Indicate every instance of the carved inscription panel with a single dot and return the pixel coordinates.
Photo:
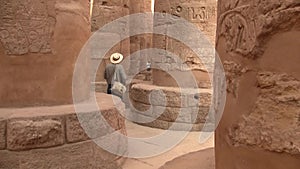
(195, 14)
(26, 26)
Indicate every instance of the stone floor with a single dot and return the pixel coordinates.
(182, 151)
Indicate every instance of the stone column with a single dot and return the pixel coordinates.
(258, 42)
(163, 104)
(203, 15)
(40, 41)
(39, 44)
(139, 42)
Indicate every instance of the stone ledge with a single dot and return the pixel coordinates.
(43, 127)
(172, 114)
(170, 96)
(148, 102)
(52, 137)
(77, 155)
(166, 125)
(39, 132)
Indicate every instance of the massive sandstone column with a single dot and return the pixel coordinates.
(163, 104)
(40, 41)
(139, 42)
(258, 42)
(203, 15)
(39, 44)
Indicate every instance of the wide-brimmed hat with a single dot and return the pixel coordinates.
(116, 58)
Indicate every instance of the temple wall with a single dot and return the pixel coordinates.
(258, 42)
(203, 15)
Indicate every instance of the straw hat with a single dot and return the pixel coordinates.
(116, 58)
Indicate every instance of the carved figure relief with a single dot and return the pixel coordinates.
(25, 26)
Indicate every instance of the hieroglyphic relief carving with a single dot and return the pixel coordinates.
(201, 14)
(194, 13)
(26, 26)
(239, 33)
(246, 28)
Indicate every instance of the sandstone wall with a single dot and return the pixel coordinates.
(258, 42)
(39, 44)
(203, 15)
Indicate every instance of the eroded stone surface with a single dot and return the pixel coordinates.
(273, 123)
(233, 71)
(169, 96)
(83, 155)
(165, 105)
(260, 124)
(34, 133)
(30, 29)
(2, 134)
(74, 130)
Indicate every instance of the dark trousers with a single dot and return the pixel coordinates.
(109, 86)
(109, 89)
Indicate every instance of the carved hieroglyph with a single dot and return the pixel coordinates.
(26, 26)
(200, 13)
(245, 25)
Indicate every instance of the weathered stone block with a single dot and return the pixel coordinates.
(113, 118)
(200, 114)
(69, 156)
(2, 134)
(74, 131)
(173, 114)
(35, 133)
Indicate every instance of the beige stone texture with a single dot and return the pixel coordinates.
(2, 134)
(258, 44)
(166, 125)
(80, 155)
(74, 130)
(35, 133)
(188, 106)
(38, 51)
(103, 14)
(203, 15)
(169, 96)
(52, 137)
